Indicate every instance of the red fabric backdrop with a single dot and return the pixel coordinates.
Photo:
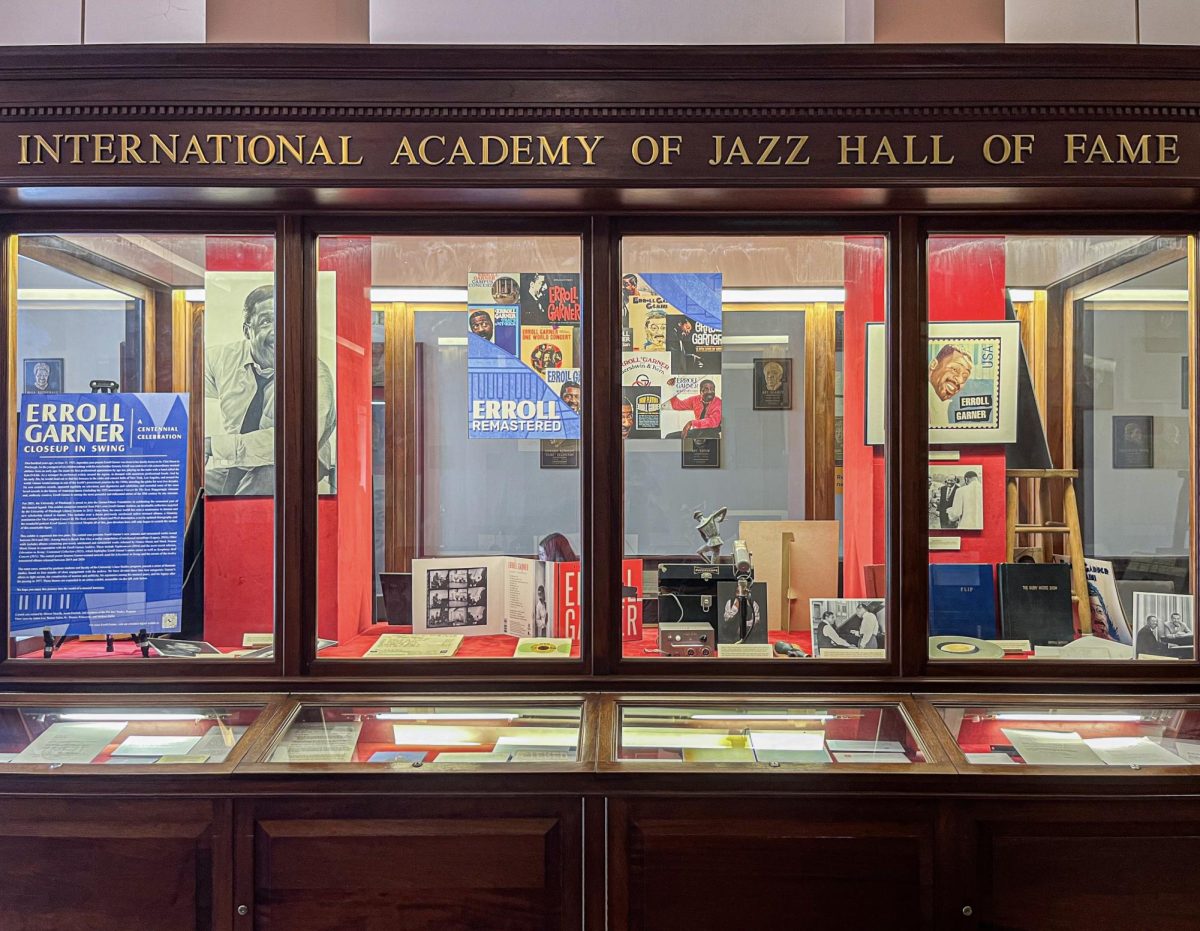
(864, 495)
(239, 541)
(966, 282)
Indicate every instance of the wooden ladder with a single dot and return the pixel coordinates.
(1048, 529)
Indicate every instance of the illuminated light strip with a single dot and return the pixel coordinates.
(155, 716)
(1142, 295)
(195, 295)
(1068, 718)
(783, 295)
(445, 716)
(419, 295)
(1020, 295)
(64, 295)
(763, 717)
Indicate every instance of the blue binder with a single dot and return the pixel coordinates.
(962, 600)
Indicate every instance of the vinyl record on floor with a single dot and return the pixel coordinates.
(952, 647)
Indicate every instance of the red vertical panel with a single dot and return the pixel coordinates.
(864, 496)
(345, 554)
(966, 282)
(239, 533)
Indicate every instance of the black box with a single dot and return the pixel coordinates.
(687, 592)
(729, 629)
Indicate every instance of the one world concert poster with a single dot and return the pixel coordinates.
(523, 355)
(98, 515)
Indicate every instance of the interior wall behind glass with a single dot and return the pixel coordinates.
(480, 496)
(760, 476)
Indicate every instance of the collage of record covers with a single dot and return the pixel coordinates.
(671, 340)
(523, 355)
(456, 597)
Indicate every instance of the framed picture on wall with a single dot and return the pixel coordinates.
(772, 384)
(43, 376)
(1132, 442)
(972, 370)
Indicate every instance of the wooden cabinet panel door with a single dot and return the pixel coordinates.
(381, 865)
(759, 863)
(93, 864)
(1064, 865)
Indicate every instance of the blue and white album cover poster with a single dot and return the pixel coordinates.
(672, 338)
(98, 514)
(523, 351)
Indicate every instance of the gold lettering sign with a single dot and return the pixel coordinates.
(489, 150)
(709, 153)
(177, 149)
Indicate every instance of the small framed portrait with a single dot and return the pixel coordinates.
(43, 376)
(772, 384)
(1132, 442)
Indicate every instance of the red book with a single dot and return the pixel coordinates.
(565, 582)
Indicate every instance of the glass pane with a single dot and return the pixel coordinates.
(755, 512)
(448, 411)
(1060, 448)
(184, 735)
(1066, 735)
(442, 734)
(768, 733)
(144, 500)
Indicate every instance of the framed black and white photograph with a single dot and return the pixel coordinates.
(43, 376)
(1164, 626)
(846, 624)
(1132, 442)
(772, 384)
(955, 496)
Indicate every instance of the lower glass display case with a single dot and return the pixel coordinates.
(998, 734)
(44, 733)
(370, 732)
(1009, 735)
(771, 733)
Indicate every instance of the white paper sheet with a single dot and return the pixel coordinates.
(1051, 748)
(787, 740)
(155, 745)
(865, 746)
(990, 759)
(676, 738)
(541, 755)
(213, 743)
(472, 756)
(537, 737)
(789, 746)
(1133, 751)
(70, 742)
(1188, 750)
(318, 743)
(871, 758)
(793, 756)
